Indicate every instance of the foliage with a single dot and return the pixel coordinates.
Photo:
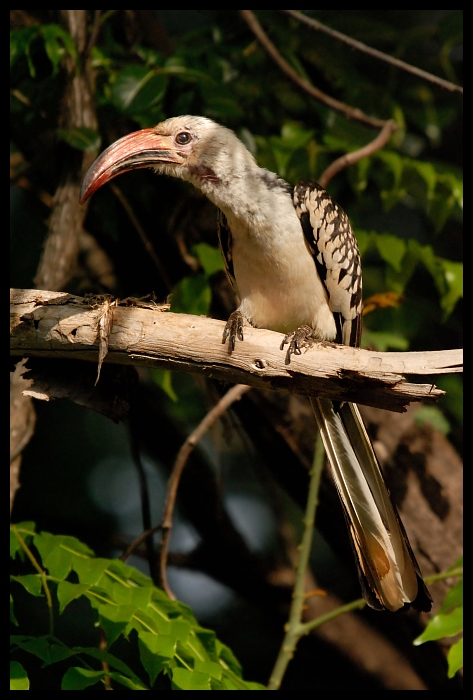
(448, 622)
(170, 641)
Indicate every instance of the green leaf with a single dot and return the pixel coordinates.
(184, 679)
(20, 43)
(81, 138)
(77, 678)
(163, 379)
(228, 657)
(180, 629)
(455, 658)
(90, 571)
(39, 646)
(210, 668)
(209, 257)
(441, 626)
(127, 682)
(57, 562)
(428, 174)
(155, 652)
(112, 661)
(12, 613)
(137, 89)
(18, 677)
(295, 135)
(67, 592)
(192, 295)
(382, 341)
(432, 415)
(114, 619)
(26, 530)
(30, 582)
(57, 42)
(453, 272)
(59, 652)
(391, 248)
(453, 598)
(60, 553)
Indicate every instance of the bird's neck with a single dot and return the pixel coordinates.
(250, 196)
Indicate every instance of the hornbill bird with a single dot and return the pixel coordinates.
(292, 258)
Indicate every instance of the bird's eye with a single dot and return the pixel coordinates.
(183, 138)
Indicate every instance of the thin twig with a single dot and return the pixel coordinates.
(293, 627)
(105, 665)
(360, 602)
(315, 24)
(234, 394)
(142, 234)
(139, 540)
(349, 158)
(93, 35)
(349, 111)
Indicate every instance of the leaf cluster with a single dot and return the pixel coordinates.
(169, 639)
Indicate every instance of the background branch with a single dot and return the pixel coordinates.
(359, 46)
(234, 394)
(349, 111)
(349, 158)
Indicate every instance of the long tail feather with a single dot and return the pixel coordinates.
(388, 571)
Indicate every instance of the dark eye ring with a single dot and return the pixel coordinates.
(183, 138)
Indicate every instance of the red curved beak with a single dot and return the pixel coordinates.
(140, 149)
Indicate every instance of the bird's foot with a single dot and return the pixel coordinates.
(233, 329)
(302, 337)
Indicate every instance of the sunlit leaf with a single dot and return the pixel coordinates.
(67, 592)
(114, 620)
(442, 625)
(454, 597)
(18, 677)
(184, 679)
(209, 257)
(455, 658)
(26, 530)
(155, 651)
(30, 582)
(453, 272)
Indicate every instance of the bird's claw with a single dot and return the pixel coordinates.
(302, 337)
(233, 329)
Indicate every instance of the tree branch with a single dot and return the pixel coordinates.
(234, 394)
(350, 158)
(60, 325)
(349, 111)
(354, 44)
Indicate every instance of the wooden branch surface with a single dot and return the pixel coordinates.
(57, 324)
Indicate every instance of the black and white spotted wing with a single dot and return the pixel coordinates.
(225, 243)
(332, 243)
